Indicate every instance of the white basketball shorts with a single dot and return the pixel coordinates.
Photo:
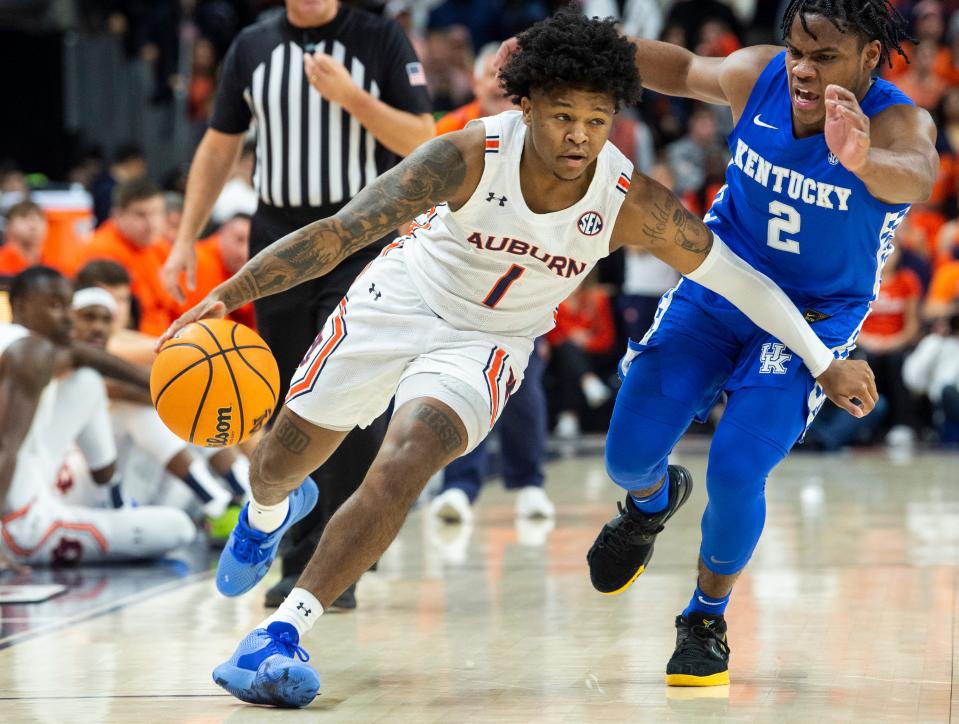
(383, 341)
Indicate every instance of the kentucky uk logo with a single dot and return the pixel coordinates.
(773, 359)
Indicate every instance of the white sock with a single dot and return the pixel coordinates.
(300, 609)
(267, 518)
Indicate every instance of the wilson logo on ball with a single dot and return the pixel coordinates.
(224, 417)
(590, 223)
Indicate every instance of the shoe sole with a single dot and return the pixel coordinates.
(642, 568)
(304, 511)
(290, 688)
(628, 583)
(718, 679)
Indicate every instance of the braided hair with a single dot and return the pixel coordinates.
(871, 19)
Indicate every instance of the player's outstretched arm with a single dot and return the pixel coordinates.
(435, 173)
(675, 71)
(108, 365)
(653, 219)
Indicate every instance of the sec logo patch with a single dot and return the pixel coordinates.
(590, 223)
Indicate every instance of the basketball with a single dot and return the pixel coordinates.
(215, 383)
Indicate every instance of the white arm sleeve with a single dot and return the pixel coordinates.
(758, 297)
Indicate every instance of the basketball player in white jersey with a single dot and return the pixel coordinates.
(49, 399)
(521, 206)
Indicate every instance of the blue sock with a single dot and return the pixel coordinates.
(116, 496)
(701, 603)
(655, 503)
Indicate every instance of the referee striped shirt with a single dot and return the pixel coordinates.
(309, 151)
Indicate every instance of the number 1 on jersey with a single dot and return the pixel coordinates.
(503, 284)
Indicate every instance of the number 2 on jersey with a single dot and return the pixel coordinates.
(785, 220)
(503, 284)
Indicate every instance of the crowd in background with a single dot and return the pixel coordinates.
(911, 339)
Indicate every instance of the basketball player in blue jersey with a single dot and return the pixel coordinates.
(825, 162)
(521, 206)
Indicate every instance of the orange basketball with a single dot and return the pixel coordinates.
(215, 383)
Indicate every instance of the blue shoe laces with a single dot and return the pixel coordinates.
(248, 548)
(284, 645)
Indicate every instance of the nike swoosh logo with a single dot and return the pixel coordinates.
(762, 123)
(713, 559)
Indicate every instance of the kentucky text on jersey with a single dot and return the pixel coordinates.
(562, 266)
(787, 181)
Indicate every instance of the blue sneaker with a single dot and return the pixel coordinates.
(266, 669)
(249, 553)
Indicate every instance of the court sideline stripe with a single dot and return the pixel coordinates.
(104, 609)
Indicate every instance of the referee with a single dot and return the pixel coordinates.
(337, 96)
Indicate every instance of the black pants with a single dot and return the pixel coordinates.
(888, 370)
(570, 363)
(289, 322)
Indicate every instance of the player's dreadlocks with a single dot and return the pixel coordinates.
(871, 19)
(569, 49)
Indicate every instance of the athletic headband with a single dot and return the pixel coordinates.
(94, 296)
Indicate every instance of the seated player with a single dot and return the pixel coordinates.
(138, 427)
(48, 399)
(125, 341)
(520, 207)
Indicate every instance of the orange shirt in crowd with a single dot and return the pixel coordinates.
(457, 119)
(11, 261)
(929, 222)
(157, 308)
(944, 287)
(210, 273)
(944, 68)
(588, 310)
(888, 315)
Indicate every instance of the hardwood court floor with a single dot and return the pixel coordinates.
(847, 614)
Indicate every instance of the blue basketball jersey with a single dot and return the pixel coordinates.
(792, 211)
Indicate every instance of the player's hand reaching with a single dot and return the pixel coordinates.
(851, 385)
(847, 128)
(208, 308)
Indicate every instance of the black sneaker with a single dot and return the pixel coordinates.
(346, 601)
(625, 544)
(701, 657)
(280, 590)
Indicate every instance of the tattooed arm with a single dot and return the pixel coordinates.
(654, 220)
(657, 222)
(445, 169)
